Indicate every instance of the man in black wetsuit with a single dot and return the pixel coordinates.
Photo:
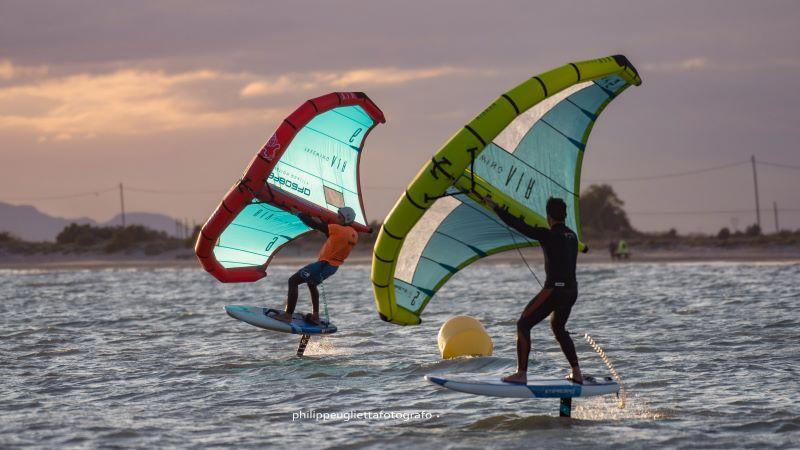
(560, 290)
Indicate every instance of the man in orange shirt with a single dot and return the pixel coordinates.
(341, 239)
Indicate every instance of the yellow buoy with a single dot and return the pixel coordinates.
(464, 336)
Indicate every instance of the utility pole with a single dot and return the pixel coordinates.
(122, 204)
(755, 185)
(775, 209)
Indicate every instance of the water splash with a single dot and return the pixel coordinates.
(325, 346)
(622, 394)
(605, 408)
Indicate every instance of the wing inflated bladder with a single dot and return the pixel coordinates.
(524, 148)
(311, 163)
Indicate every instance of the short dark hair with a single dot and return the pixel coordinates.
(556, 209)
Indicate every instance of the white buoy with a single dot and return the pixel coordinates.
(464, 336)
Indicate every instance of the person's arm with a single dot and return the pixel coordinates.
(313, 222)
(537, 233)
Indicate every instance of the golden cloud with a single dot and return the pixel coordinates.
(8, 70)
(359, 78)
(704, 64)
(391, 76)
(683, 65)
(122, 102)
(128, 102)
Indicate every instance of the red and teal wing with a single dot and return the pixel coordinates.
(311, 163)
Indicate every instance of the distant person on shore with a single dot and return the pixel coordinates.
(341, 239)
(622, 250)
(560, 290)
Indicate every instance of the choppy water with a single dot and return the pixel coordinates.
(147, 358)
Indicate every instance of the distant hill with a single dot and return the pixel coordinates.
(30, 224)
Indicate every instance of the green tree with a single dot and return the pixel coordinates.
(753, 230)
(602, 212)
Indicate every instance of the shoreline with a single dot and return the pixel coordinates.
(188, 260)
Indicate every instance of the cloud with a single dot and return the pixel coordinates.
(683, 65)
(704, 64)
(9, 71)
(131, 102)
(282, 84)
(391, 76)
(359, 78)
(268, 87)
(122, 103)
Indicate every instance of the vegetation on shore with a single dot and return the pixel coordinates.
(603, 220)
(134, 239)
(88, 239)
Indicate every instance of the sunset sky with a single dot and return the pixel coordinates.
(173, 98)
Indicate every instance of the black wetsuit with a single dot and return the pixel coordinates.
(560, 290)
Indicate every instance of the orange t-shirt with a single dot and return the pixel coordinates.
(341, 239)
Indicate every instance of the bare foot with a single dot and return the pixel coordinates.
(283, 317)
(518, 378)
(313, 318)
(575, 377)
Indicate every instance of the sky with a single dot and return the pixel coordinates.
(174, 98)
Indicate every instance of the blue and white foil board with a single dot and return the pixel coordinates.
(264, 318)
(492, 386)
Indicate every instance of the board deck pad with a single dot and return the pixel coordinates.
(265, 318)
(492, 386)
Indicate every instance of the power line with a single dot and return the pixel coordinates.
(671, 175)
(784, 166)
(693, 172)
(728, 211)
(122, 204)
(755, 187)
(396, 188)
(650, 177)
(65, 196)
(171, 192)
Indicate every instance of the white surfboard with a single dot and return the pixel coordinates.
(535, 388)
(265, 318)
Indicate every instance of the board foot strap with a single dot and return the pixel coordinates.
(303, 343)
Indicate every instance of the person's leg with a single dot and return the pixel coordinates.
(564, 300)
(312, 289)
(300, 277)
(536, 310)
(324, 272)
(291, 297)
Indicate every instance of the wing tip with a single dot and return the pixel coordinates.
(623, 61)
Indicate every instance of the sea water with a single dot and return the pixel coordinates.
(709, 354)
